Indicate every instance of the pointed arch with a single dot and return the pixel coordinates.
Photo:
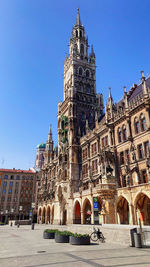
(123, 210)
(48, 213)
(77, 212)
(87, 211)
(142, 208)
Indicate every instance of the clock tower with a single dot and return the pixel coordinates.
(81, 103)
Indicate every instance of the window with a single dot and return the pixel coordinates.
(140, 151)
(5, 184)
(6, 177)
(127, 155)
(94, 149)
(12, 177)
(10, 184)
(76, 33)
(94, 166)
(84, 153)
(10, 191)
(136, 125)
(87, 73)
(85, 170)
(9, 199)
(144, 176)
(119, 135)
(143, 122)
(121, 158)
(124, 131)
(80, 33)
(17, 177)
(146, 148)
(80, 71)
(4, 191)
(103, 142)
(82, 49)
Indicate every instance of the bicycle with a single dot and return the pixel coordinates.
(97, 235)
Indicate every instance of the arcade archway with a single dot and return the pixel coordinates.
(142, 207)
(48, 215)
(52, 216)
(77, 213)
(87, 212)
(123, 211)
(43, 215)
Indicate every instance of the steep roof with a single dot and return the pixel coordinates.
(17, 171)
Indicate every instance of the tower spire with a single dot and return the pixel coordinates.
(78, 20)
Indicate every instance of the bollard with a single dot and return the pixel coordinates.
(137, 240)
(18, 225)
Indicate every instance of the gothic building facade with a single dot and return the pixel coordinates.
(100, 171)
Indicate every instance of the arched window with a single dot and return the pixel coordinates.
(136, 125)
(124, 131)
(76, 33)
(80, 33)
(143, 122)
(80, 71)
(87, 73)
(119, 135)
(82, 49)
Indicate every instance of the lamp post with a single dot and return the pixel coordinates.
(20, 209)
(32, 223)
(12, 211)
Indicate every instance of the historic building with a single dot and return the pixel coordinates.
(100, 171)
(17, 193)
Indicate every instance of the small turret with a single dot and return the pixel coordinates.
(125, 98)
(92, 55)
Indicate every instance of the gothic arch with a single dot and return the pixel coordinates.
(52, 216)
(87, 211)
(142, 208)
(77, 212)
(44, 214)
(48, 213)
(40, 215)
(123, 210)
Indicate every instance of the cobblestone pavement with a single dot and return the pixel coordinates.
(23, 247)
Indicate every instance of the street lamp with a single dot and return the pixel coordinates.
(20, 209)
(33, 207)
(6, 216)
(12, 210)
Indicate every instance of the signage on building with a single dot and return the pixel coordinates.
(96, 210)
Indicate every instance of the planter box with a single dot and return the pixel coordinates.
(48, 235)
(61, 238)
(83, 240)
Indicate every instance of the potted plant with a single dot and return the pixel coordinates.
(62, 236)
(49, 233)
(80, 239)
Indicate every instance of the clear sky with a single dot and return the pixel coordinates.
(34, 36)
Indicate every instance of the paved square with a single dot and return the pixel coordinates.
(23, 247)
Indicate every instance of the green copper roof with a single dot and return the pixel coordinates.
(42, 145)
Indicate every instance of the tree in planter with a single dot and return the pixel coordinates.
(49, 233)
(79, 239)
(62, 236)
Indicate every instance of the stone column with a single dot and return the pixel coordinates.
(82, 217)
(131, 211)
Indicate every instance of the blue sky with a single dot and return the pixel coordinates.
(34, 36)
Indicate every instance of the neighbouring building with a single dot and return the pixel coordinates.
(17, 193)
(100, 171)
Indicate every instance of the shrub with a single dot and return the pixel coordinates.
(66, 233)
(80, 235)
(53, 231)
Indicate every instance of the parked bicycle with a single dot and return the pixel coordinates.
(97, 235)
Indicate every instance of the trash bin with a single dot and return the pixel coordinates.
(137, 240)
(132, 231)
(32, 226)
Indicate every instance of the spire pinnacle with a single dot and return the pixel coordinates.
(78, 21)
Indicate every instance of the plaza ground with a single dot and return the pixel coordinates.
(23, 247)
